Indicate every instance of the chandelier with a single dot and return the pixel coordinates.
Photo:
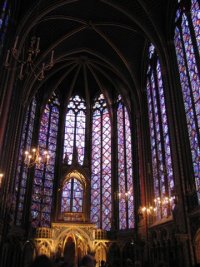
(148, 210)
(26, 59)
(34, 157)
(165, 202)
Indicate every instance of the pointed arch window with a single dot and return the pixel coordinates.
(159, 134)
(22, 171)
(75, 129)
(44, 174)
(187, 44)
(72, 196)
(101, 165)
(125, 170)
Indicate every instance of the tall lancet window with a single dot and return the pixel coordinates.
(159, 135)
(22, 171)
(101, 165)
(75, 129)
(187, 43)
(44, 173)
(125, 170)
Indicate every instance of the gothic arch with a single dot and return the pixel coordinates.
(77, 234)
(101, 252)
(81, 177)
(76, 173)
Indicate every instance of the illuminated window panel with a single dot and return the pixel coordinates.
(106, 171)
(159, 134)
(69, 135)
(125, 177)
(44, 173)
(101, 206)
(195, 13)
(72, 196)
(96, 169)
(75, 129)
(22, 171)
(189, 79)
(80, 135)
(129, 170)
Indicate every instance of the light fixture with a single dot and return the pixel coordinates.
(26, 59)
(160, 204)
(1, 178)
(121, 195)
(34, 157)
(148, 210)
(164, 203)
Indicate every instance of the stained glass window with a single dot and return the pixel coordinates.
(101, 165)
(187, 43)
(195, 14)
(159, 134)
(75, 129)
(4, 20)
(22, 171)
(44, 173)
(125, 171)
(72, 196)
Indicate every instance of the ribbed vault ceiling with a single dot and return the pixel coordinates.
(98, 44)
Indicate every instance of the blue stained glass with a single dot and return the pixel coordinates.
(72, 196)
(159, 136)
(106, 171)
(75, 129)
(167, 150)
(125, 179)
(190, 82)
(44, 174)
(22, 172)
(195, 13)
(129, 169)
(101, 207)
(191, 61)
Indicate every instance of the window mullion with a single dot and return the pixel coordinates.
(101, 171)
(72, 195)
(125, 166)
(75, 125)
